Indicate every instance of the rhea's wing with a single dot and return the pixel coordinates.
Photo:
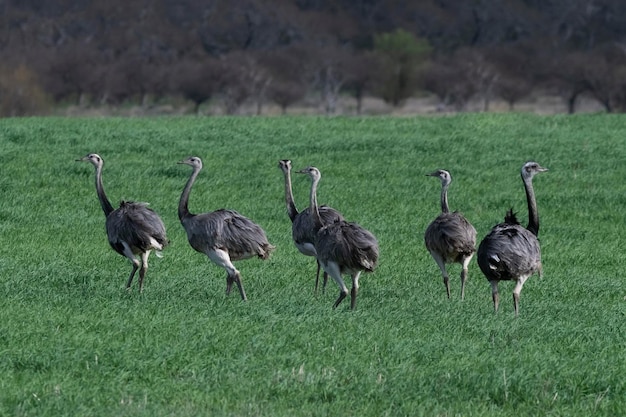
(348, 244)
(137, 225)
(303, 228)
(450, 234)
(509, 251)
(329, 214)
(229, 231)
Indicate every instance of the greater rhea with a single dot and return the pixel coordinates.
(223, 235)
(511, 252)
(342, 247)
(132, 229)
(450, 238)
(303, 228)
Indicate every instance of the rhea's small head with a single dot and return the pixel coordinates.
(285, 165)
(443, 175)
(93, 158)
(312, 172)
(193, 161)
(531, 168)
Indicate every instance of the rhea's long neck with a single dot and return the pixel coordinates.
(533, 214)
(292, 211)
(314, 208)
(183, 208)
(444, 199)
(104, 201)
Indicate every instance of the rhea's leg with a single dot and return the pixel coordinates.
(242, 292)
(317, 278)
(517, 291)
(132, 274)
(229, 283)
(221, 258)
(325, 282)
(444, 273)
(143, 269)
(131, 257)
(333, 270)
(355, 289)
(317, 275)
(235, 278)
(494, 295)
(465, 264)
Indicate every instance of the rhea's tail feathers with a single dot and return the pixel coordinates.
(266, 251)
(511, 217)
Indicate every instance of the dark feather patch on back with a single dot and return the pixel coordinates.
(348, 244)
(136, 224)
(508, 252)
(303, 228)
(227, 230)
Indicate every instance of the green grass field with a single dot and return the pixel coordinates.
(74, 342)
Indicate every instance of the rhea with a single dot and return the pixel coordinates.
(511, 252)
(342, 247)
(132, 229)
(450, 238)
(223, 235)
(303, 228)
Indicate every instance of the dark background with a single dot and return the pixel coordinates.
(55, 53)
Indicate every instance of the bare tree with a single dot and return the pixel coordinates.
(286, 93)
(604, 71)
(197, 81)
(478, 71)
(566, 75)
(516, 72)
(244, 78)
(449, 82)
(361, 72)
(72, 71)
(328, 73)
(286, 69)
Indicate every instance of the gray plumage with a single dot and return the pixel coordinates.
(132, 229)
(342, 247)
(510, 251)
(450, 238)
(223, 235)
(303, 228)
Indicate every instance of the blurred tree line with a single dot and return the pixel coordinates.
(232, 52)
